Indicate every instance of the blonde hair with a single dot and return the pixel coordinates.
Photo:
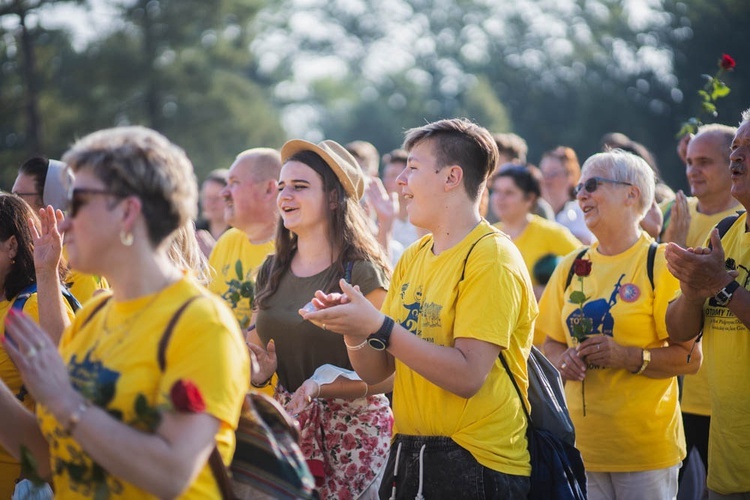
(186, 255)
(137, 161)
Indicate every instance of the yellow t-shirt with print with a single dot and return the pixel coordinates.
(632, 422)
(695, 392)
(10, 468)
(543, 237)
(112, 361)
(493, 303)
(232, 248)
(726, 360)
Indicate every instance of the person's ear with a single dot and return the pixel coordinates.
(454, 177)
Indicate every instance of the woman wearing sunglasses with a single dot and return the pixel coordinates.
(603, 316)
(125, 410)
(18, 228)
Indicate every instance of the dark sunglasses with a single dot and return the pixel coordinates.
(78, 197)
(593, 183)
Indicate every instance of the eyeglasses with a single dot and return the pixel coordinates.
(593, 183)
(78, 197)
(21, 195)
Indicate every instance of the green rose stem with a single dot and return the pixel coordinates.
(581, 329)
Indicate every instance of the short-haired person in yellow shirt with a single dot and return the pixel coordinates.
(17, 274)
(459, 297)
(515, 191)
(124, 411)
(250, 197)
(715, 300)
(621, 384)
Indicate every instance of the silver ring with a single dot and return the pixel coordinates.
(598, 347)
(32, 352)
(324, 326)
(562, 366)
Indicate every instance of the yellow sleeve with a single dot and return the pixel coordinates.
(549, 323)
(207, 349)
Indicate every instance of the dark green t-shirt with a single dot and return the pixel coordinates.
(302, 347)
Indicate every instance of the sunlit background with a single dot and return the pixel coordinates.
(219, 77)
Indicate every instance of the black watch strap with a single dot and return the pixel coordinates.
(724, 295)
(380, 339)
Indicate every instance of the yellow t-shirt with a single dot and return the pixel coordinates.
(543, 237)
(494, 303)
(234, 252)
(112, 360)
(726, 360)
(695, 393)
(9, 467)
(632, 422)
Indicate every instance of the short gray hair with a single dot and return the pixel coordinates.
(626, 167)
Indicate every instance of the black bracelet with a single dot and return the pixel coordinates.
(262, 384)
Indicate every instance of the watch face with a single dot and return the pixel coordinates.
(376, 343)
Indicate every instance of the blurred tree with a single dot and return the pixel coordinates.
(26, 74)
(182, 67)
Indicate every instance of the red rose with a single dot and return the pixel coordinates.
(187, 397)
(727, 62)
(582, 267)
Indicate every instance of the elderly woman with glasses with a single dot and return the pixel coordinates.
(149, 380)
(603, 317)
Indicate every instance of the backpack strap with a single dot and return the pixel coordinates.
(348, 266)
(725, 224)
(651, 258)
(515, 385)
(650, 262)
(569, 279)
(23, 297)
(463, 271)
(161, 354)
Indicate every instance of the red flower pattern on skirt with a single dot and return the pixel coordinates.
(347, 440)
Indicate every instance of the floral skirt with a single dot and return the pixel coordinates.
(345, 442)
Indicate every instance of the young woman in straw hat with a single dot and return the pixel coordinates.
(322, 237)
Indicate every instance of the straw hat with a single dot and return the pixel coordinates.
(337, 158)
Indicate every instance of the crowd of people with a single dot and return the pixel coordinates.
(374, 298)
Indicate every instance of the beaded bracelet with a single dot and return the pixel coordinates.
(355, 347)
(75, 417)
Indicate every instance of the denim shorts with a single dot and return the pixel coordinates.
(437, 467)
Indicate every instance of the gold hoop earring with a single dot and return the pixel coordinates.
(126, 238)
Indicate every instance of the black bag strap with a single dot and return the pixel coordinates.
(569, 279)
(515, 385)
(650, 259)
(725, 224)
(463, 271)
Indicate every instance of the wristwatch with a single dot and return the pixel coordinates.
(724, 295)
(380, 339)
(645, 360)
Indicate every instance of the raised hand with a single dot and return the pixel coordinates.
(264, 361)
(679, 221)
(47, 240)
